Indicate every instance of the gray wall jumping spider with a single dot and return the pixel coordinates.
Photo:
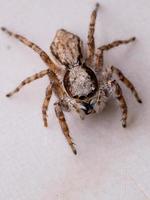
(81, 85)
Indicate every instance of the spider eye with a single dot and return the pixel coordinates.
(88, 108)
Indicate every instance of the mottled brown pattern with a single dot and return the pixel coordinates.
(82, 85)
(67, 48)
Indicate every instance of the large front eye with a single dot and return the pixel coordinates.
(88, 108)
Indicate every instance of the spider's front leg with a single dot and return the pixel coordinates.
(99, 60)
(64, 126)
(91, 41)
(29, 80)
(119, 96)
(46, 103)
(33, 46)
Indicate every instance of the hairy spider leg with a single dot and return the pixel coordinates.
(46, 104)
(126, 82)
(28, 80)
(121, 101)
(99, 56)
(33, 46)
(64, 126)
(91, 40)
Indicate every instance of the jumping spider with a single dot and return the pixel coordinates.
(81, 85)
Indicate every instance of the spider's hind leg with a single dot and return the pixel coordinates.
(91, 41)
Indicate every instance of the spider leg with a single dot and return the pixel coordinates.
(46, 103)
(91, 41)
(27, 81)
(33, 46)
(121, 100)
(126, 82)
(43, 56)
(99, 60)
(64, 126)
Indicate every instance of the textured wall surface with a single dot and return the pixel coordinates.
(37, 163)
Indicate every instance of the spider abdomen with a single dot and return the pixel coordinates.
(66, 48)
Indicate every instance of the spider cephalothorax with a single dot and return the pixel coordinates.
(81, 84)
